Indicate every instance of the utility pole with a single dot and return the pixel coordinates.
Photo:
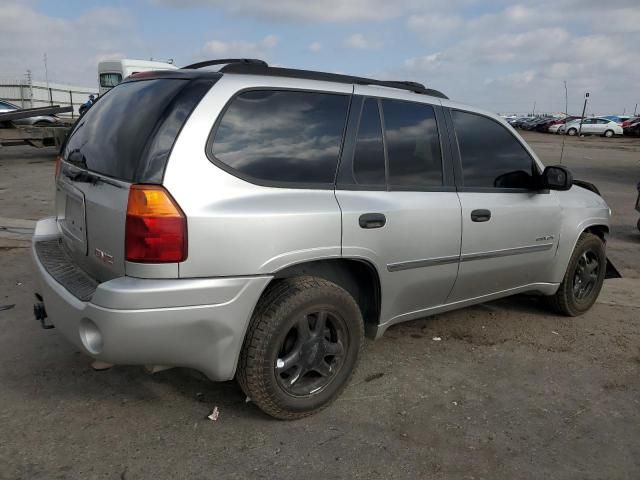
(635, 110)
(46, 70)
(584, 109)
(534, 108)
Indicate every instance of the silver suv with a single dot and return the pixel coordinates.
(254, 222)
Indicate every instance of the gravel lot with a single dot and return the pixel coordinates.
(509, 392)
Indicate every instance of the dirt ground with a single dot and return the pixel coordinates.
(510, 392)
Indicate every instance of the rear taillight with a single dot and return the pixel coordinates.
(156, 228)
(58, 166)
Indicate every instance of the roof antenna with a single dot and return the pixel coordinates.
(566, 112)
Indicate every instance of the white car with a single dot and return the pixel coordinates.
(556, 128)
(593, 126)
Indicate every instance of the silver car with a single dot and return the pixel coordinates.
(254, 222)
(37, 121)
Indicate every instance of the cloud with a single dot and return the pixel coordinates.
(359, 41)
(231, 49)
(509, 58)
(314, 47)
(73, 46)
(317, 10)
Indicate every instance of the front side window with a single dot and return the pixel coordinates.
(413, 144)
(109, 80)
(284, 137)
(368, 158)
(491, 156)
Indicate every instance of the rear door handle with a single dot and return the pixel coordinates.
(372, 220)
(480, 215)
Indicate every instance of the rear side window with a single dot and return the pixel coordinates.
(413, 144)
(368, 159)
(491, 156)
(282, 137)
(111, 137)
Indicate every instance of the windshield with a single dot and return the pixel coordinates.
(109, 80)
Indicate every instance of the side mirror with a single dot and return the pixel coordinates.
(557, 178)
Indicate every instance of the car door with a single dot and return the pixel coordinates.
(589, 126)
(602, 125)
(509, 230)
(399, 207)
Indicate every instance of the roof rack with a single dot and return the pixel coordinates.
(264, 69)
(222, 61)
(252, 66)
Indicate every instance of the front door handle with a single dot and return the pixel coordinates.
(480, 215)
(372, 220)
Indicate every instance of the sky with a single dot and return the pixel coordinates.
(502, 55)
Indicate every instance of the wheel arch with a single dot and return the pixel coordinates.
(357, 276)
(593, 226)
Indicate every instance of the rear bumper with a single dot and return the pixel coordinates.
(196, 323)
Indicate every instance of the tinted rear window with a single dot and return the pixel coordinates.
(111, 137)
(282, 137)
(413, 144)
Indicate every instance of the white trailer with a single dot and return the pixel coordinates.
(112, 72)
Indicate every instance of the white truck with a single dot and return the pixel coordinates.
(112, 72)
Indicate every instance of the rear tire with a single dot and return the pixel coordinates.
(301, 348)
(608, 133)
(572, 132)
(583, 279)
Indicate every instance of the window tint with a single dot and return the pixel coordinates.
(491, 155)
(368, 159)
(413, 145)
(283, 136)
(6, 105)
(123, 133)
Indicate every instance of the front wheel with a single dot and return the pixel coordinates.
(301, 348)
(608, 133)
(572, 132)
(584, 277)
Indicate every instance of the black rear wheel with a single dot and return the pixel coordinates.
(301, 348)
(584, 277)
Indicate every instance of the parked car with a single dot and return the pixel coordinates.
(594, 126)
(532, 123)
(630, 121)
(632, 129)
(38, 121)
(254, 222)
(519, 121)
(544, 125)
(557, 126)
(616, 118)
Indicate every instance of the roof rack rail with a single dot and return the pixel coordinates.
(222, 61)
(261, 68)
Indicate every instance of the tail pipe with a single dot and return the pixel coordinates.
(40, 313)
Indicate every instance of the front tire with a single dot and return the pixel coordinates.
(301, 347)
(583, 279)
(572, 132)
(608, 133)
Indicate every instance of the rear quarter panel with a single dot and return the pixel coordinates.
(236, 227)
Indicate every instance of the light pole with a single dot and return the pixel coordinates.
(584, 109)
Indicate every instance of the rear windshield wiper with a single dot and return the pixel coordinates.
(81, 176)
